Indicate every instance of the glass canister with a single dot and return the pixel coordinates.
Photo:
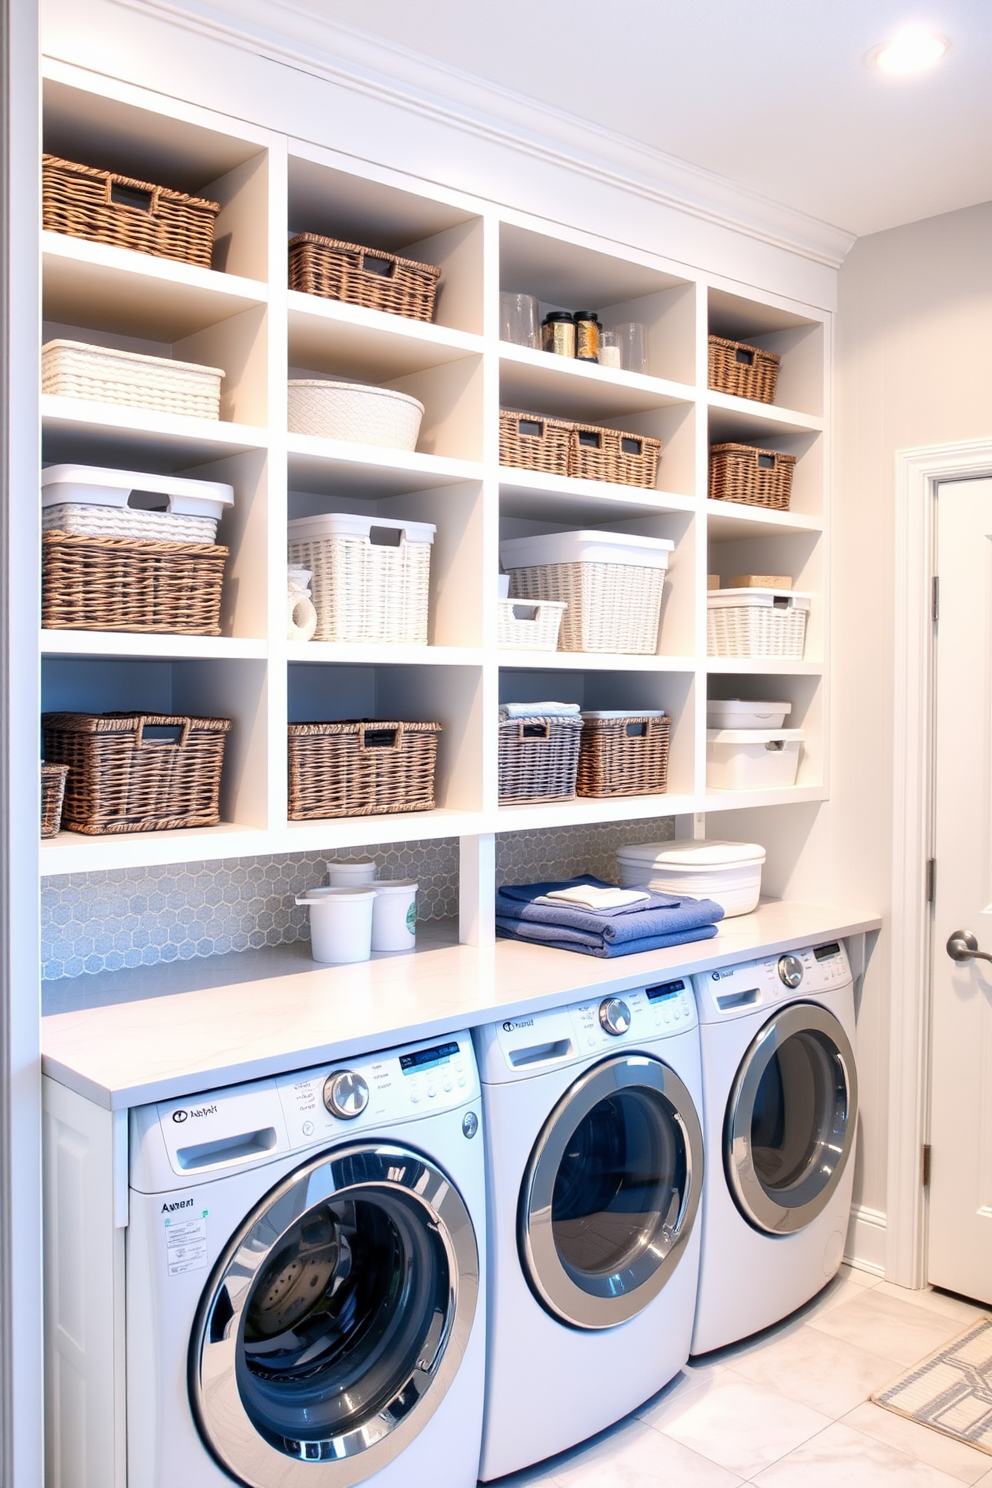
(587, 329)
(558, 333)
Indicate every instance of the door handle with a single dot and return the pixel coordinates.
(963, 946)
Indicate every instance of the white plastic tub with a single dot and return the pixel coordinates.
(727, 872)
(741, 713)
(340, 924)
(394, 915)
(355, 412)
(587, 546)
(95, 500)
(344, 875)
(752, 759)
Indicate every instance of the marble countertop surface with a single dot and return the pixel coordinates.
(162, 1033)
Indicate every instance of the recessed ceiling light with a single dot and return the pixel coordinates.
(912, 50)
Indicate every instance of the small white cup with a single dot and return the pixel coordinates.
(394, 915)
(342, 875)
(340, 924)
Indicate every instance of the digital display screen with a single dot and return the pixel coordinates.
(822, 952)
(664, 989)
(440, 1054)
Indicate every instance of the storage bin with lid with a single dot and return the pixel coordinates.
(742, 713)
(93, 499)
(752, 759)
(727, 872)
(756, 622)
(354, 412)
(612, 583)
(371, 576)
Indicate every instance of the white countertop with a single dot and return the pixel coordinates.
(164, 1047)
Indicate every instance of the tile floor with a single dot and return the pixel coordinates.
(790, 1408)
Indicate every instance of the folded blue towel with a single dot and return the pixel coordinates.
(662, 915)
(546, 935)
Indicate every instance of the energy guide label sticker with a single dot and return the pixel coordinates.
(186, 1242)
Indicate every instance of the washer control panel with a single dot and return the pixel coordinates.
(733, 990)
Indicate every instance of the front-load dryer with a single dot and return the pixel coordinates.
(304, 1262)
(780, 1092)
(594, 1161)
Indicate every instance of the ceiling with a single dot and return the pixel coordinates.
(772, 94)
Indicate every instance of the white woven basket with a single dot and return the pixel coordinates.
(755, 628)
(74, 369)
(364, 590)
(123, 521)
(526, 625)
(612, 607)
(355, 412)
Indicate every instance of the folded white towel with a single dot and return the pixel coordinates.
(588, 896)
(538, 710)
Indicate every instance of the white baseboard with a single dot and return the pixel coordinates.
(865, 1246)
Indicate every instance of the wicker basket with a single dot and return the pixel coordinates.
(123, 213)
(611, 455)
(362, 276)
(74, 369)
(354, 412)
(52, 793)
(125, 777)
(538, 758)
(611, 606)
(623, 755)
(119, 583)
(532, 442)
(742, 370)
(81, 520)
(523, 625)
(361, 768)
(757, 477)
(756, 622)
(364, 589)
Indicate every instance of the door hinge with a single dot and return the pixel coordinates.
(935, 600)
(926, 1165)
(931, 880)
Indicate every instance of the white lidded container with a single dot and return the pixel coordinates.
(727, 872)
(394, 915)
(752, 759)
(98, 501)
(355, 412)
(371, 576)
(741, 713)
(756, 622)
(344, 875)
(586, 546)
(340, 924)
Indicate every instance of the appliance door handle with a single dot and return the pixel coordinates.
(962, 945)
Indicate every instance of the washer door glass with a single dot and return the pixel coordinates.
(335, 1320)
(611, 1192)
(791, 1119)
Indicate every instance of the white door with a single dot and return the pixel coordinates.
(960, 1204)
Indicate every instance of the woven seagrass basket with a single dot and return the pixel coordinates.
(611, 455)
(532, 442)
(538, 758)
(362, 276)
(100, 205)
(361, 768)
(137, 772)
(742, 370)
(623, 756)
(52, 794)
(124, 583)
(756, 477)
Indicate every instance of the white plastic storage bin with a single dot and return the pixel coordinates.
(371, 577)
(727, 872)
(752, 759)
(91, 500)
(612, 583)
(529, 624)
(355, 412)
(741, 713)
(756, 622)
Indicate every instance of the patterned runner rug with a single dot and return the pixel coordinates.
(951, 1391)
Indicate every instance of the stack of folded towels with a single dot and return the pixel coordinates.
(597, 919)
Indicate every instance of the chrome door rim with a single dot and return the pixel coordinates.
(629, 1291)
(798, 1204)
(356, 1454)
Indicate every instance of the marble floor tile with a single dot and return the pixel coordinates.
(843, 1288)
(636, 1456)
(741, 1425)
(828, 1374)
(888, 1326)
(528, 1477)
(670, 1403)
(859, 1276)
(942, 1302)
(965, 1463)
(841, 1458)
(985, 1482)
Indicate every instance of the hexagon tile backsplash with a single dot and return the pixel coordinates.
(109, 920)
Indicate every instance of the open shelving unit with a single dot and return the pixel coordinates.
(241, 316)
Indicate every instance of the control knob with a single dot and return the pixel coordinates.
(346, 1094)
(614, 1016)
(790, 970)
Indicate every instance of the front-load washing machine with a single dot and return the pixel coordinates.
(304, 1263)
(594, 1161)
(780, 1092)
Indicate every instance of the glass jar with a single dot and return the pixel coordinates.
(558, 333)
(587, 329)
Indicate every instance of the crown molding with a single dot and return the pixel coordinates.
(296, 35)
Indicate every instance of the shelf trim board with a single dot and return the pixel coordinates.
(165, 647)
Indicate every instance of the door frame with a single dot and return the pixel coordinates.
(918, 474)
